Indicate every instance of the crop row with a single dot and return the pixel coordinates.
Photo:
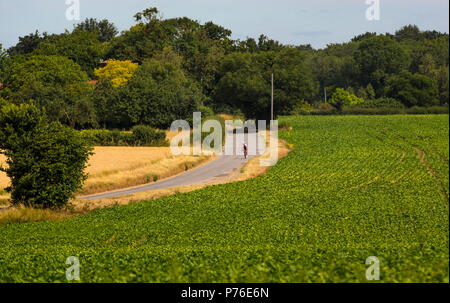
(354, 187)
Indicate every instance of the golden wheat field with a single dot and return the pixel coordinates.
(4, 180)
(120, 167)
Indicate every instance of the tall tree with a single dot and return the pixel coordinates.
(443, 85)
(411, 32)
(245, 82)
(27, 44)
(144, 40)
(80, 46)
(52, 82)
(105, 30)
(378, 57)
(158, 94)
(412, 89)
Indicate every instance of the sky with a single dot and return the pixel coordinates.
(315, 22)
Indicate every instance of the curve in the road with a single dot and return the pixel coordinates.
(220, 167)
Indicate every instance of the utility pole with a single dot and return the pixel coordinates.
(271, 107)
(325, 90)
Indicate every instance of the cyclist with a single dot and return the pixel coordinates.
(245, 150)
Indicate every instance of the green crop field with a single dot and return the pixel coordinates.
(354, 187)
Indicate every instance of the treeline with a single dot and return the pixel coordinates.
(161, 70)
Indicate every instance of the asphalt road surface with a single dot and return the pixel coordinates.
(221, 167)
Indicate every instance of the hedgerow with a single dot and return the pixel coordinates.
(140, 135)
(359, 110)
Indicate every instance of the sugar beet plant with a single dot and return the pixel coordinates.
(45, 160)
(354, 187)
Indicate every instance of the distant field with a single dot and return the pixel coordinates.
(118, 167)
(354, 187)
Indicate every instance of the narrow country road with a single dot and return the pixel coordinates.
(222, 166)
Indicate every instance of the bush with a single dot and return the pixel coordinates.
(373, 111)
(98, 137)
(228, 110)
(438, 110)
(412, 89)
(141, 135)
(45, 161)
(433, 110)
(380, 103)
(359, 110)
(302, 108)
(159, 93)
(147, 136)
(342, 98)
(206, 111)
(325, 112)
(325, 106)
(54, 83)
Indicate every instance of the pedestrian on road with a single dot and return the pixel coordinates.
(245, 150)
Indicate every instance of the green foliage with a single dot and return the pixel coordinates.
(433, 110)
(373, 111)
(411, 32)
(201, 46)
(443, 85)
(380, 103)
(3, 102)
(335, 66)
(105, 137)
(364, 36)
(302, 108)
(106, 99)
(140, 135)
(104, 29)
(55, 70)
(242, 85)
(200, 64)
(377, 109)
(245, 82)
(206, 111)
(412, 89)
(148, 136)
(158, 94)
(143, 40)
(27, 44)
(343, 98)
(53, 82)
(148, 14)
(367, 93)
(45, 161)
(378, 57)
(353, 187)
(82, 47)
